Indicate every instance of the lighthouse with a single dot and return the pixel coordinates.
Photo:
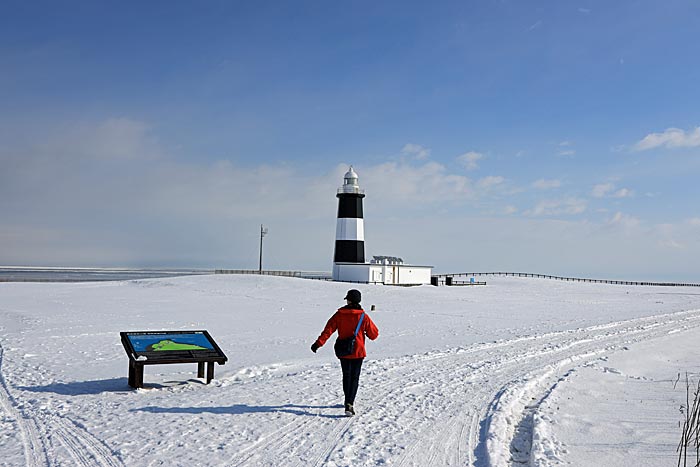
(350, 227)
(349, 256)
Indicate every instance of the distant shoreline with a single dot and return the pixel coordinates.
(79, 274)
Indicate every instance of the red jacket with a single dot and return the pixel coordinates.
(345, 321)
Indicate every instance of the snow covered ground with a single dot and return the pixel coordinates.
(521, 371)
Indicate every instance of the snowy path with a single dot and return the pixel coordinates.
(468, 406)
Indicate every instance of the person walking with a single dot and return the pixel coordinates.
(352, 324)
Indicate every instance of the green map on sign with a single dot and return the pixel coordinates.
(172, 345)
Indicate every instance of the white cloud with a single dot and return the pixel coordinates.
(566, 149)
(510, 210)
(607, 190)
(618, 148)
(671, 138)
(623, 220)
(623, 193)
(672, 236)
(601, 190)
(695, 221)
(661, 237)
(469, 160)
(416, 151)
(113, 139)
(490, 181)
(536, 25)
(673, 244)
(419, 185)
(543, 184)
(569, 206)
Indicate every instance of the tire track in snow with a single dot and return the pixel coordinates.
(442, 406)
(275, 441)
(85, 448)
(508, 437)
(80, 456)
(509, 434)
(492, 369)
(451, 432)
(335, 436)
(40, 431)
(292, 453)
(421, 375)
(35, 447)
(449, 441)
(472, 436)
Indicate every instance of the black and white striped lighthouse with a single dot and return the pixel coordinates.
(349, 256)
(350, 230)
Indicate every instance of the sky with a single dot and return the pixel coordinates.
(556, 137)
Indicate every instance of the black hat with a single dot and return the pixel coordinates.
(354, 296)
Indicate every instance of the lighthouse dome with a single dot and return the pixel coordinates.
(351, 175)
(350, 183)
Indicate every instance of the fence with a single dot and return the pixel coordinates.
(266, 272)
(322, 276)
(443, 278)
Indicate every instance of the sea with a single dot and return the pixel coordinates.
(47, 274)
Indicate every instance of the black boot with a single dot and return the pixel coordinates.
(349, 410)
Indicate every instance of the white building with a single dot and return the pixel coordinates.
(382, 270)
(349, 257)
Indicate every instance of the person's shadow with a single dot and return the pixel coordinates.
(239, 409)
(116, 385)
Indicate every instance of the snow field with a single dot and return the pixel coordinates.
(502, 375)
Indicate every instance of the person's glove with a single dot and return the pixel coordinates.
(314, 347)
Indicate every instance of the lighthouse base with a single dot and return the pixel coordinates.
(390, 274)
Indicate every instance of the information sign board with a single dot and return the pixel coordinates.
(163, 347)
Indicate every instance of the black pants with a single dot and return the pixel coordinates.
(351, 377)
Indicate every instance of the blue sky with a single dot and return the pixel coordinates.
(552, 136)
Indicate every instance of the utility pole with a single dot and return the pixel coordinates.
(263, 232)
